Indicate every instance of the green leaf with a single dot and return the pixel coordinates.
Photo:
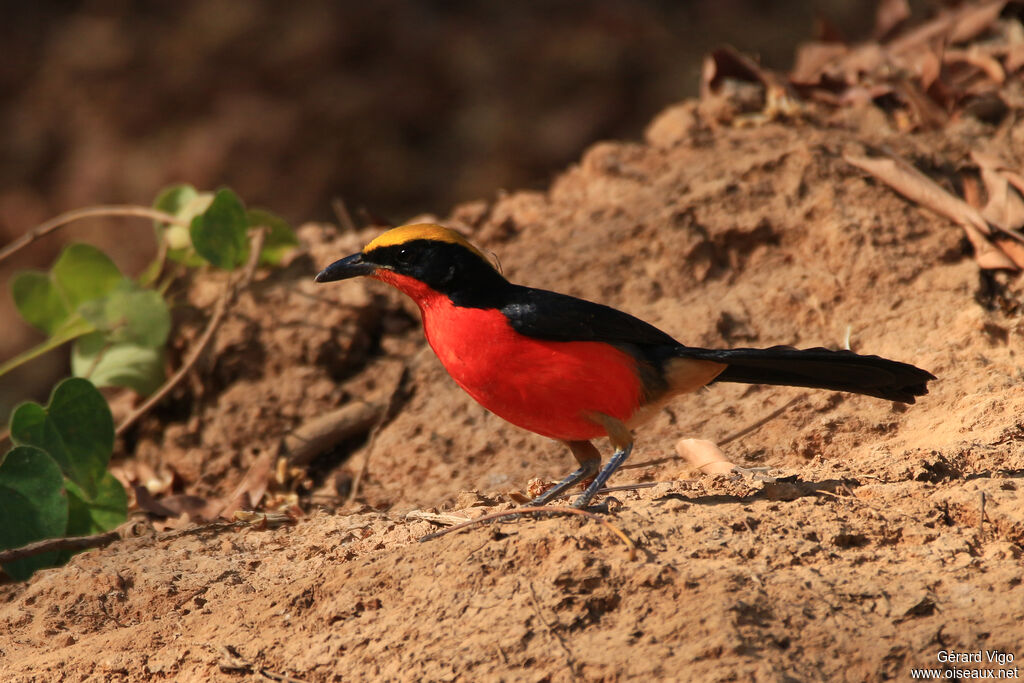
(38, 300)
(137, 316)
(219, 234)
(84, 273)
(187, 257)
(94, 515)
(280, 239)
(32, 507)
(173, 199)
(184, 202)
(130, 314)
(75, 326)
(107, 364)
(149, 276)
(76, 429)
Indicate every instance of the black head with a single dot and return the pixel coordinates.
(438, 257)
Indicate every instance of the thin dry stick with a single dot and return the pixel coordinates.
(323, 432)
(981, 517)
(202, 528)
(256, 246)
(274, 676)
(569, 659)
(345, 221)
(539, 510)
(269, 520)
(88, 212)
(387, 415)
(632, 487)
(52, 544)
(197, 351)
(721, 442)
(763, 421)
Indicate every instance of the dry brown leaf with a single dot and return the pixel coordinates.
(191, 507)
(704, 455)
(929, 66)
(145, 501)
(972, 191)
(814, 60)
(864, 59)
(253, 486)
(889, 14)
(1015, 179)
(979, 60)
(953, 26)
(1014, 59)
(970, 21)
(826, 31)
(926, 113)
(917, 187)
(1012, 248)
(728, 63)
(1005, 207)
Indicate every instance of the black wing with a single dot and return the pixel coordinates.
(552, 316)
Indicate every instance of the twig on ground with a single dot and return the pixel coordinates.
(52, 544)
(436, 518)
(193, 530)
(570, 661)
(262, 520)
(981, 517)
(763, 421)
(632, 487)
(538, 511)
(274, 676)
(90, 212)
(649, 463)
(230, 290)
(721, 442)
(854, 498)
(322, 433)
(231, 661)
(394, 401)
(345, 221)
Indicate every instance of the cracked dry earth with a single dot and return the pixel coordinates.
(890, 533)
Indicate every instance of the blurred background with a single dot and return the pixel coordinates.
(396, 106)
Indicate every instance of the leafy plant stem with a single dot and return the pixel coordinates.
(73, 330)
(96, 360)
(256, 244)
(152, 272)
(89, 212)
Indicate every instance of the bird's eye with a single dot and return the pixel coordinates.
(404, 256)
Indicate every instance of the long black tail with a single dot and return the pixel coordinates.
(818, 369)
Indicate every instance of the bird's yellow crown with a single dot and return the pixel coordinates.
(421, 231)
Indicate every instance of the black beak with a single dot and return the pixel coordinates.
(350, 266)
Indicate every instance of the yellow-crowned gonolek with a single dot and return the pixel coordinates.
(574, 370)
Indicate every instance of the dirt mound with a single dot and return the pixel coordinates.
(890, 534)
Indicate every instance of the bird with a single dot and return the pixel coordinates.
(574, 370)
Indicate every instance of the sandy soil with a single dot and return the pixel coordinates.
(891, 533)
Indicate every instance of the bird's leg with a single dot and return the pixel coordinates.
(589, 459)
(622, 440)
